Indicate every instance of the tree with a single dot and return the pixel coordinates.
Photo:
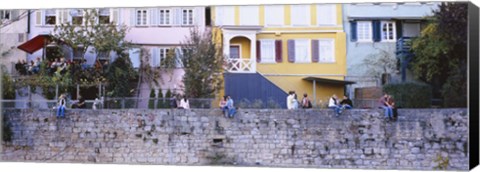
(203, 61)
(441, 53)
(380, 64)
(120, 76)
(8, 87)
(103, 37)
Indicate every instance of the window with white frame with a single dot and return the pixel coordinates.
(50, 17)
(77, 16)
(164, 16)
(5, 14)
(158, 55)
(300, 15)
(274, 15)
(267, 50)
(326, 14)
(187, 16)
(302, 53)
(104, 16)
(141, 16)
(326, 48)
(249, 15)
(364, 31)
(388, 31)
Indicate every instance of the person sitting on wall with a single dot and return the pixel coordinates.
(184, 104)
(346, 103)
(80, 104)
(294, 101)
(230, 107)
(333, 104)
(223, 104)
(391, 102)
(383, 103)
(306, 104)
(290, 100)
(36, 66)
(61, 106)
(173, 102)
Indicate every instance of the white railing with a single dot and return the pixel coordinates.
(240, 65)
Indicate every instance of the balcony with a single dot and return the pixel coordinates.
(403, 45)
(240, 65)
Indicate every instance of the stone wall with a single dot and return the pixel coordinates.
(275, 138)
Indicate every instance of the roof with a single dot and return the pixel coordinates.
(328, 81)
(36, 43)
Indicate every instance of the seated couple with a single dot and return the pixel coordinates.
(338, 107)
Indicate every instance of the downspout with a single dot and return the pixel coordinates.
(28, 22)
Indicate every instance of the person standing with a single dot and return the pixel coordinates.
(306, 104)
(333, 104)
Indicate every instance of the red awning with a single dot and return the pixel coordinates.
(35, 43)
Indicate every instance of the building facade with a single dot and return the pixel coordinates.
(13, 32)
(381, 31)
(274, 49)
(154, 32)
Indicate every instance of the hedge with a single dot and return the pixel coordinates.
(410, 94)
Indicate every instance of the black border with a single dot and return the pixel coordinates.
(473, 38)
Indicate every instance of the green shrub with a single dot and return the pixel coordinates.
(6, 131)
(8, 86)
(151, 101)
(410, 94)
(257, 104)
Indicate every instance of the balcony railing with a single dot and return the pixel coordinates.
(240, 65)
(404, 44)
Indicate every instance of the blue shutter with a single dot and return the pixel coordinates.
(376, 31)
(353, 31)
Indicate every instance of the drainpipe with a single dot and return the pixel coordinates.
(28, 22)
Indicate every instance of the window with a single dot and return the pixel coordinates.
(274, 15)
(104, 16)
(5, 14)
(164, 16)
(302, 51)
(158, 54)
(249, 15)
(411, 29)
(300, 15)
(141, 17)
(77, 16)
(388, 31)
(326, 14)
(267, 50)
(187, 17)
(50, 17)
(225, 15)
(364, 31)
(326, 49)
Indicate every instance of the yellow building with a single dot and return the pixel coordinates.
(299, 48)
